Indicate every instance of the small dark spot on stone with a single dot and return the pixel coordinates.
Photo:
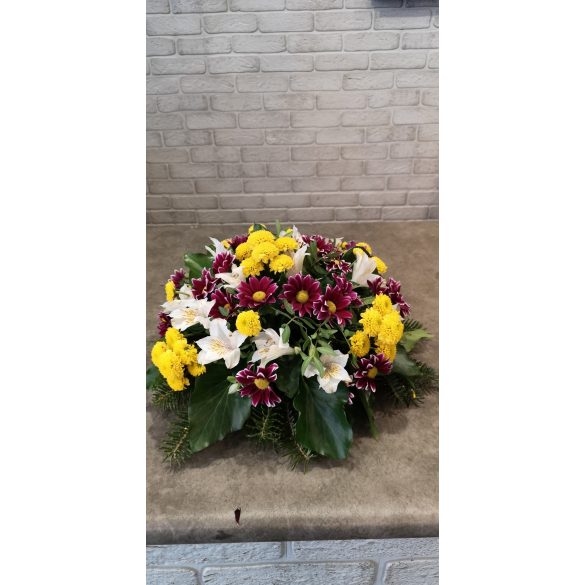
(237, 513)
(221, 535)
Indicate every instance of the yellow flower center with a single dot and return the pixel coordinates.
(331, 306)
(227, 307)
(373, 372)
(261, 383)
(189, 315)
(302, 296)
(259, 295)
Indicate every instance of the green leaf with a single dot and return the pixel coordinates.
(411, 338)
(325, 349)
(196, 263)
(213, 413)
(306, 362)
(225, 312)
(285, 334)
(317, 363)
(153, 377)
(404, 365)
(366, 400)
(289, 372)
(287, 306)
(322, 425)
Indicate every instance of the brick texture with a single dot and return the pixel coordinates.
(399, 561)
(250, 101)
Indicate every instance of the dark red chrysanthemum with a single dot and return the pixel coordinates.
(378, 286)
(396, 297)
(347, 289)
(204, 286)
(324, 245)
(338, 265)
(368, 368)
(164, 322)
(256, 292)
(302, 292)
(237, 240)
(333, 305)
(222, 263)
(222, 299)
(255, 382)
(177, 278)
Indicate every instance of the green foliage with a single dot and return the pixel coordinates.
(175, 445)
(289, 369)
(322, 425)
(411, 337)
(213, 413)
(367, 402)
(154, 378)
(196, 263)
(404, 365)
(169, 400)
(276, 427)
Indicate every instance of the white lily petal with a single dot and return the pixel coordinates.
(363, 269)
(232, 358)
(298, 259)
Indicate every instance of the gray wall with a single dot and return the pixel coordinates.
(397, 561)
(302, 110)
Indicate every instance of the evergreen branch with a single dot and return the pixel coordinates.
(275, 427)
(175, 445)
(169, 400)
(411, 325)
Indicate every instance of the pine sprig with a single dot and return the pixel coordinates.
(411, 325)
(275, 427)
(169, 400)
(175, 445)
(412, 391)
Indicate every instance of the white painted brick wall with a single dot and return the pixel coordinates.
(398, 561)
(301, 110)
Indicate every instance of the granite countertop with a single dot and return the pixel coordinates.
(386, 488)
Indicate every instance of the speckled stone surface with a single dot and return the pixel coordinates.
(386, 488)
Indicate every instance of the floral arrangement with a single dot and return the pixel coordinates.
(287, 336)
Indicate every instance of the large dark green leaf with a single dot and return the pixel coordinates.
(403, 365)
(289, 372)
(213, 413)
(322, 425)
(366, 400)
(412, 337)
(153, 377)
(196, 263)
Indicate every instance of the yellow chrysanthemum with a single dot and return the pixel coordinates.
(226, 244)
(251, 268)
(172, 356)
(371, 321)
(285, 244)
(281, 263)
(170, 290)
(196, 369)
(171, 367)
(357, 252)
(360, 343)
(265, 252)
(243, 251)
(388, 349)
(380, 265)
(258, 237)
(248, 323)
(365, 246)
(382, 304)
(391, 328)
(157, 350)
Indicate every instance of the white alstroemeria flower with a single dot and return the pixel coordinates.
(191, 312)
(222, 344)
(269, 346)
(185, 295)
(298, 259)
(234, 278)
(363, 269)
(219, 247)
(334, 371)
